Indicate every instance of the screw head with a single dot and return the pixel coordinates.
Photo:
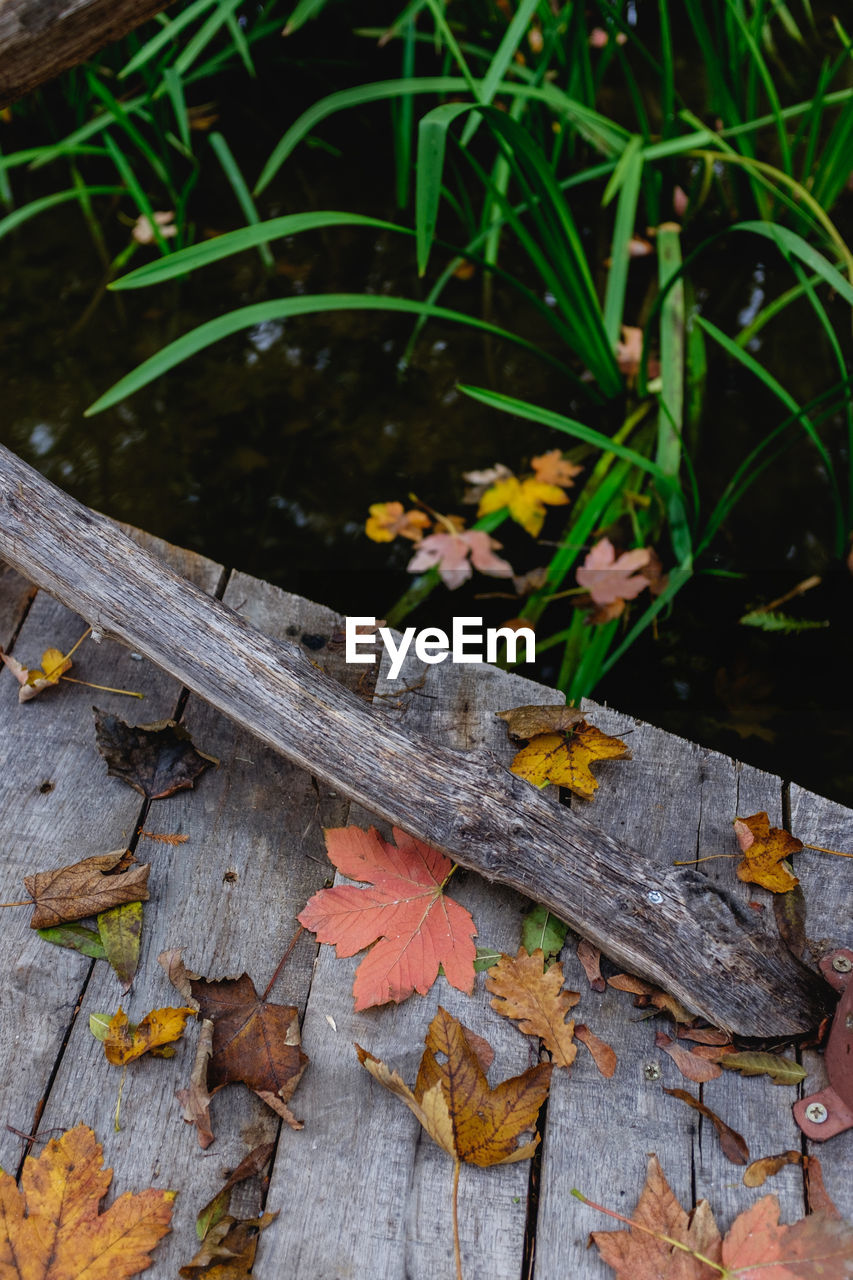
(841, 964)
(654, 895)
(652, 1071)
(816, 1112)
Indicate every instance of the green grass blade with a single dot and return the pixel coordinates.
(140, 199)
(630, 171)
(240, 43)
(506, 51)
(175, 89)
(172, 28)
(242, 193)
(671, 411)
(304, 12)
(206, 32)
(432, 141)
(18, 216)
(123, 121)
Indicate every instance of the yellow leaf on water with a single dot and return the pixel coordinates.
(525, 499)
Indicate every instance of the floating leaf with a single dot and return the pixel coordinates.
(457, 554)
(155, 759)
(388, 520)
(84, 888)
(553, 468)
(526, 501)
(533, 996)
(608, 577)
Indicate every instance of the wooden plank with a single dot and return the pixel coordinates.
(57, 805)
(703, 948)
(677, 801)
(229, 896)
(828, 887)
(367, 1193)
(41, 38)
(16, 596)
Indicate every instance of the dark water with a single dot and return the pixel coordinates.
(265, 452)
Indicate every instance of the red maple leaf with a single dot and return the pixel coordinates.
(404, 911)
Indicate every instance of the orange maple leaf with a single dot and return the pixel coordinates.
(764, 850)
(52, 1229)
(405, 912)
(553, 468)
(388, 520)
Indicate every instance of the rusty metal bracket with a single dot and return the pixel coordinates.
(823, 1114)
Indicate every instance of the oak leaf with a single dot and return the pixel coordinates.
(526, 501)
(609, 578)
(457, 554)
(415, 927)
(565, 758)
(553, 468)
(84, 888)
(533, 996)
(54, 664)
(125, 1042)
(764, 850)
(51, 1228)
(155, 759)
(454, 1103)
(388, 520)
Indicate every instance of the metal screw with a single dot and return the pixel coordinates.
(816, 1112)
(652, 1071)
(841, 964)
(654, 896)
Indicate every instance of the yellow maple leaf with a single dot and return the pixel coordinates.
(526, 500)
(124, 1042)
(764, 849)
(565, 758)
(32, 680)
(52, 1229)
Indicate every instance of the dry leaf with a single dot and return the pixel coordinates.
(479, 481)
(553, 468)
(704, 1035)
(388, 521)
(691, 1065)
(526, 501)
(764, 849)
(759, 1171)
(789, 910)
(84, 888)
(609, 578)
(523, 723)
(603, 1055)
(454, 554)
(125, 1042)
(733, 1146)
(646, 993)
(565, 758)
(155, 759)
(533, 996)
(780, 1070)
(817, 1196)
(453, 1101)
(51, 1229)
(195, 1100)
(54, 664)
(216, 1209)
(417, 926)
(590, 958)
(228, 1249)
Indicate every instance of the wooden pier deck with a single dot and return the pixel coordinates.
(360, 1191)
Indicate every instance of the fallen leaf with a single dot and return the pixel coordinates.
(590, 958)
(228, 1250)
(479, 481)
(454, 554)
(523, 723)
(485, 958)
(195, 1100)
(51, 1229)
(759, 1247)
(757, 1173)
(77, 937)
(388, 520)
(120, 931)
(125, 1042)
(733, 1146)
(405, 908)
(704, 1035)
(817, 1196)
(780, 1070)
(216, 1209)
(648, 994)
(789, 910)
(533, 996)
(603, 1055)
(764, 849)
(182, 978)
(526, 501)
(541, 928)
(691, 1065)
(254, 1042)
(155, 759)
(565, 758)
(33, 680)
(84, 888)
(609, 578)
(553, 468)
(164, 219)
(455, 1105)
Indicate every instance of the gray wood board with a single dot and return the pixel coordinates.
(16, 595)
(229, 896)
(828, 887)
(366, 1192)
(57, 805)
(673, 801)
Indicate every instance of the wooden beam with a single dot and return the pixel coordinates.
(670, 925)
(41, 38)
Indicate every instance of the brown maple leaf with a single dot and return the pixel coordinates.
(533, 996)
(51, 1228)
(764, 850)
(85, 888)
(155, 759)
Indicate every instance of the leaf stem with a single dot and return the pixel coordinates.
(74, 649)
(26, 902)
(456, 1246)
(288, 953)
(691, 862)
(658, 1235)
(820, 849)
(118, 1099)
(105, 687)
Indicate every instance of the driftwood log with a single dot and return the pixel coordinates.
(41, 38)
(672, 926)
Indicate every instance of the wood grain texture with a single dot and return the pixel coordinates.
(16, 596)
(373, 1191)
(41, 38)
(229, 896)
(468, 805)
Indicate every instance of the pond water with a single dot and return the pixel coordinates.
(265, 452)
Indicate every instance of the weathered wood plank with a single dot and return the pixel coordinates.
(828, 887)
(229, 896)
(487, 819)
(373, 1192)
(16, 596)
(41, 38)
(57, 805)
